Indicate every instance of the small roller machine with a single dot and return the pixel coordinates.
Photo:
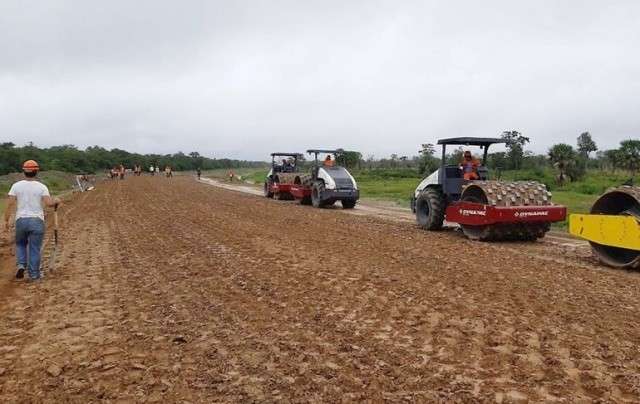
(612, 227)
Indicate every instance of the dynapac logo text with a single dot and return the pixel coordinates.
(473, 212)
(532, 213)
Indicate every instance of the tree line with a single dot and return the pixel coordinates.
(95, 159)
(570, 162)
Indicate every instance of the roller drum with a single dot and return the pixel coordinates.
(624, 200)
(507, 193)
(303, 179)
(285, 178)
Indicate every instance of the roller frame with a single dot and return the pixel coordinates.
(613, 231)
(279, 188)
(477, 214)
(300, 191)
(610, 230)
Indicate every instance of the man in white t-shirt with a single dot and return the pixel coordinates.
(28, 197)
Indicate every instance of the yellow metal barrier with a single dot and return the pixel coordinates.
(610, 230)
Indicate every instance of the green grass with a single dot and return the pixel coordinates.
(396, 190)
(575, 203)
(395, 185)
(251, 175)
(256, 176)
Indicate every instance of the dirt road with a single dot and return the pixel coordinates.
(169, 290)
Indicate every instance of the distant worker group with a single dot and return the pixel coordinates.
(119, 171)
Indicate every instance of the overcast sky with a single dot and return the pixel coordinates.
(244, 78)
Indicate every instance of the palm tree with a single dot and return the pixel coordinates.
(563, 157)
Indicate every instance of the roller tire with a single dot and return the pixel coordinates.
(349, 203)
(316, 191)
(266, 192)
(430, 208)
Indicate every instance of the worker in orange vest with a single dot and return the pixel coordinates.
(328, 161)
(469, 166)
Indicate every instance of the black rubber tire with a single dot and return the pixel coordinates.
(305, 201)
(349, 203)
(316, 191)
(266, 192)
(430, 207)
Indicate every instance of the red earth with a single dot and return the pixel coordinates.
(171, 290)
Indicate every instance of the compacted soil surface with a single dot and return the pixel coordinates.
(171, 290)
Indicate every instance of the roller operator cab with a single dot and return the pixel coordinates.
(281, 176)
(485, 209)
(327, 183)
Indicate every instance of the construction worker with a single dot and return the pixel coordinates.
(328, 161)
(198, 172)
(287, 167)
(27, 198)
(469, 166)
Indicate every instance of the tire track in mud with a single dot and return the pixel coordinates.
(204, 295)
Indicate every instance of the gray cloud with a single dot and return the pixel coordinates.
(240, 79)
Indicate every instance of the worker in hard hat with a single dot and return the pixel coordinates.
(28, 198)
(287, 165)
(328, 161)
(469, 166)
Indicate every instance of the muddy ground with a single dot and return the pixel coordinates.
(170, 290)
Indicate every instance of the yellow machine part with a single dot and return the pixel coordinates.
(621, 231)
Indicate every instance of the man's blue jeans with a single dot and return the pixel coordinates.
(29, 235)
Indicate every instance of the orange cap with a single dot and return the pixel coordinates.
(30, 166)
